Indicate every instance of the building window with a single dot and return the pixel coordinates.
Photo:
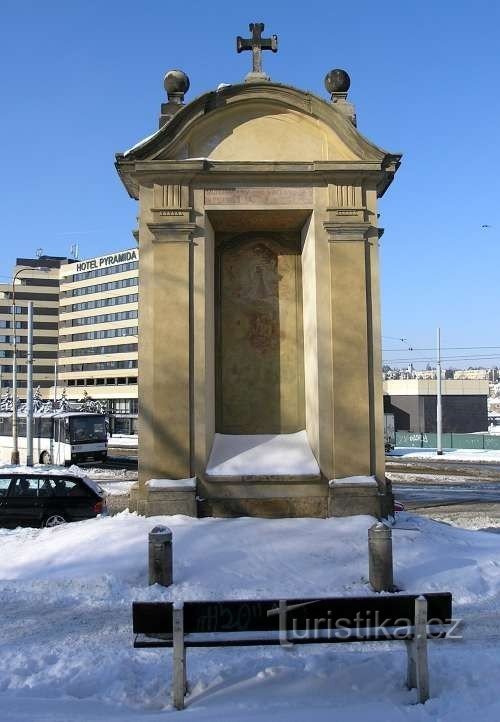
(101, 287)
(99, 350)
(10, 339)
(104, 333)
(108, 381)
(100, 365)
(102, 302)
(104, 318)
(122, 406)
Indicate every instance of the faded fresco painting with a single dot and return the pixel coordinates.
(259, 335)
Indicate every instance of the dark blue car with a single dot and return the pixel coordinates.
(44, 498)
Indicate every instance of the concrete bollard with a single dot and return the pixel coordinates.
(380, 557)
(160, 556)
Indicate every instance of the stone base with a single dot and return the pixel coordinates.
(154, 501)
(349, 499)
(133, 498)
(267, 497)
(263, 496)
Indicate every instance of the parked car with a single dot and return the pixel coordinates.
(45, 498)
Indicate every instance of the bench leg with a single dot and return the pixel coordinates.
(179, 667)
(411, 669)
(283, 635)
(420, 649)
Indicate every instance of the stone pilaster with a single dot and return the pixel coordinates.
(165, 342)
(354, 440)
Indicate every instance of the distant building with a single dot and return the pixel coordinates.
(474, 374)
(426, 374)
(98, 333)
(413, 403)
(86, 321)
(37, 280)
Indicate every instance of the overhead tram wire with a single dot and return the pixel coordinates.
(445, 348)
(423, 359)
(467, 355)
(407, 356)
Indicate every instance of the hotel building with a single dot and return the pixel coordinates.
(37, 280)
(98, 333)
(85, 320)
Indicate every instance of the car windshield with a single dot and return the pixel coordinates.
(87, 428)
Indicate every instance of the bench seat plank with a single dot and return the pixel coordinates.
(262, 615)
(257, 639)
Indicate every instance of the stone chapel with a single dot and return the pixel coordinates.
(260, 385)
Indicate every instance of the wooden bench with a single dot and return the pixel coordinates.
(408, 618)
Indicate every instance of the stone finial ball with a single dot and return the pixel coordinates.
(337, 81)
(176, 81)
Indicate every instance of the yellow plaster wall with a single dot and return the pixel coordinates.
(262, 131)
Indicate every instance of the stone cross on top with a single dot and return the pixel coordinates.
(257, 44)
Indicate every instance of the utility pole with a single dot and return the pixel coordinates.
(15, 443)
(55, 384)
(29, 390)
(439, 398)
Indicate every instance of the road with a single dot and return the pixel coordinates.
(479, 469)
(437, 488)
(465, 492)
(419, 489)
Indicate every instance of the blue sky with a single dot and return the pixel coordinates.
(83, 80)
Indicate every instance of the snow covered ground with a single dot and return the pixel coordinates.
(474, 455)
(66, 641)
(469, 520)
(117, 488)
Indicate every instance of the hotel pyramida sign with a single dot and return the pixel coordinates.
(113, 259)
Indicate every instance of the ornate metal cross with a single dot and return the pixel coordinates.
(257, 44)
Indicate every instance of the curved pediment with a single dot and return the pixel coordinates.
(258, 122)
(260, 131)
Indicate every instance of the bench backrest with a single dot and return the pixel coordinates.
(395, 610)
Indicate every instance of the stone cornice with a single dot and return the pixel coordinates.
(338, 231)
(172, 232)
(136, 173)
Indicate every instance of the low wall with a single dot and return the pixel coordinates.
(450, 441)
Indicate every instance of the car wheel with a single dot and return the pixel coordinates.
(45, 458)
(54, 520)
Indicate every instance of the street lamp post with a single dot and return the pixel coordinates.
(15, 437)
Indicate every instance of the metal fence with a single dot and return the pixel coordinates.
(450, 441)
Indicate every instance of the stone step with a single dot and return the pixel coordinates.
(266, 496)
